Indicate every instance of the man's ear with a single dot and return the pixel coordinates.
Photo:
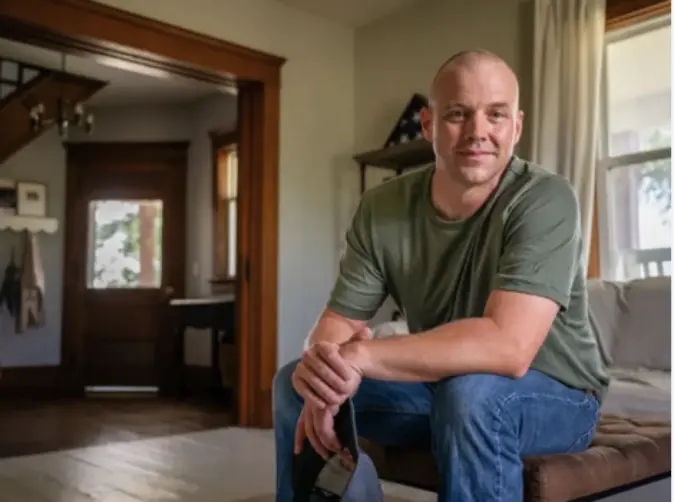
(519, 122)
(426, 118)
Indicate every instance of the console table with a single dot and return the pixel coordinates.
(215, 313)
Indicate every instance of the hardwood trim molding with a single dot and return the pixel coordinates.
(220, 138)
(95, 30)
(623, 13)
(137, 40)
(32, 381)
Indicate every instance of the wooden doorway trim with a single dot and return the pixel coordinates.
(94, 30)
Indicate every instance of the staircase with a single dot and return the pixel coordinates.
(22, 86)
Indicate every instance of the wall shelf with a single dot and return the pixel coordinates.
(397, 158)
(33, 224)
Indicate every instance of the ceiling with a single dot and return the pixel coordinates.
(125, 86)
(354, 13)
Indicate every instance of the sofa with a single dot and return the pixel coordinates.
(630, 453)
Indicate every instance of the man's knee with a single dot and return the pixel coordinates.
(467, 399)
(283, 393)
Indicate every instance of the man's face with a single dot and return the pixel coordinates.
(473, 121)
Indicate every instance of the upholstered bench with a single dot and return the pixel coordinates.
(623, 453)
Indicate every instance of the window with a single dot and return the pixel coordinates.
(634, 181)
(125, 244)
(227, 171)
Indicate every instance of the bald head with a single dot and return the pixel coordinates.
(470, 60)
(473, 119)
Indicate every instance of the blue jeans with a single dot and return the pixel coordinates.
(478, 427)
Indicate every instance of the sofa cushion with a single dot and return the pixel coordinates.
(605, 305)
(623, 451)
(639, 392)
(643, 335)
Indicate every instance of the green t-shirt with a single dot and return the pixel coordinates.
(526, 237)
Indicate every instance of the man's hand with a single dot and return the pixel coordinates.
(323, 377)
(317, 425)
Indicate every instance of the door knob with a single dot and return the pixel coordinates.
(169, 290)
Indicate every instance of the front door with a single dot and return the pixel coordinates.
(125, 259)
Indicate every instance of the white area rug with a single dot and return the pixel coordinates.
(222, 465)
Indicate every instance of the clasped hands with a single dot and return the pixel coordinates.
(326, 376)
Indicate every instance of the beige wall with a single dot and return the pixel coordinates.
(399, 55)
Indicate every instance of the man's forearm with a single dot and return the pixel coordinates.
(473, 345)
(332, 327)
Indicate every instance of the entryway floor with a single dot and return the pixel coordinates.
(38, 426)
(138, 451)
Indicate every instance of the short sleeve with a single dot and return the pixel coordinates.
(360, 288)
(542, 242)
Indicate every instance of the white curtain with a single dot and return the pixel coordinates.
(568, 57)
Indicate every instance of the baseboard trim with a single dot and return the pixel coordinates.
(31, 381)
(51, 381)
(198, 379)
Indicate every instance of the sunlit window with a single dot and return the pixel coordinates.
(228, 171)
(635, 172)
(125, 244)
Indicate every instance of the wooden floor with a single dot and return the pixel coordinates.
(137, 451)
(37, 426)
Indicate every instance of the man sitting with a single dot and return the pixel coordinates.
(482, 252)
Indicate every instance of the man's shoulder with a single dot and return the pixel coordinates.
(534, 186)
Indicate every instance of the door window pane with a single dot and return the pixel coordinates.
(640, 210)
(639, 91)
(125, 244)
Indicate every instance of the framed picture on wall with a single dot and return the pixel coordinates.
(31, 198)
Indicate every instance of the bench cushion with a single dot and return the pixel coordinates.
(623, 451)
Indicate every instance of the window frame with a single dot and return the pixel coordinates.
(222, 140)
(605, 162)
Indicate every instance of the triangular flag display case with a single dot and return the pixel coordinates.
(405, 146)
(408, 127)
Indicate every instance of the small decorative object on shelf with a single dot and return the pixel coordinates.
(408, 127)
(405, 147)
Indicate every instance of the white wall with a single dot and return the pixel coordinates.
(44, 160)
(318, 181)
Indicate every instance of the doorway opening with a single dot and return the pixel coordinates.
(117, 37)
